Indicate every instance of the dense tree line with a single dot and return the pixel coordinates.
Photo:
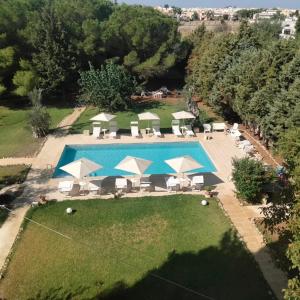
(254, 77)
(45, 43)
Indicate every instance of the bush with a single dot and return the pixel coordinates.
(249, 177)
(39, 118)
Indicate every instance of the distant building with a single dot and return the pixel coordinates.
(288, 28)
(266, 15)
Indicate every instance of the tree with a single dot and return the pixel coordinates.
(109, 88)
(25, 79)
(6, 61)
(289, 147)
(298, 27)
(39, 118)
(195, 16)
(52, 57)
(177, 11)
(144, 40)
(249, 177)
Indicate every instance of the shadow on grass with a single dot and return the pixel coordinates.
(14, 178)
(224, 272)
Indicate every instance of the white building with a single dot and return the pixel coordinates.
(266, 15)
(288, 28)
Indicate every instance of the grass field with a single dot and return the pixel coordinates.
(15, 135)
(10, 175)
(132, 249)
(163, 109)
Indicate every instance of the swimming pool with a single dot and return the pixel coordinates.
(110, 155)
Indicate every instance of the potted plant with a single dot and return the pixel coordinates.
(209, 190)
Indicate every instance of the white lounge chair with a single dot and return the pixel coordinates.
(207, 128)
(234, 128)
(156, 131)
(175, 128)
(141, 183)
(96, 132)
(236, 135)
(189, 131)
(94, 187)
(113, 132)
(121, 184)
(134, 129)
(197, 182)
(243, 144)
(66, 187)
(173, 184)
(219, 126)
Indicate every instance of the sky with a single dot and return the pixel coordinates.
(219, 3)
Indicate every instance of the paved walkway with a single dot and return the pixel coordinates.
(9, 231)
(71, 119)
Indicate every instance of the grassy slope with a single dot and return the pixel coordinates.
(124, 118)
(116, 243)
(16, 136)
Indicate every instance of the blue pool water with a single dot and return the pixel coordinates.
(110, 155)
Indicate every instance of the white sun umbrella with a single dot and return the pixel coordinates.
(81, 168)
(134, 165)
(148, 116)
(183, 115)
(183, 164)
(104, 117)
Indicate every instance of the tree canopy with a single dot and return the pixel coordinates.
(45, 43)
(254, 77)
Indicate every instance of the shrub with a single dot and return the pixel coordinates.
(39, 118)
(249, 177)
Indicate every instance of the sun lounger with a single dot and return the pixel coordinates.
(234, 128)
(94, 187)
(176, 130)
(65, 187)
(134, 129)
(207, 128)
(96, 132)
(141, 183)
(173, 184)
(113, 132)
(121, 184)
(189, 131)
(219, 126)
(243, 144)
(236, 135)
(197, 182)
(156, 131)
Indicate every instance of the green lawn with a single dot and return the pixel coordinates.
(10, 175)
(163, 109)
(15, 135)
(119, 248)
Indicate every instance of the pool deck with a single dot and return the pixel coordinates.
(220, 148)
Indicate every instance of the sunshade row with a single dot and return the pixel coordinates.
(83, 167)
